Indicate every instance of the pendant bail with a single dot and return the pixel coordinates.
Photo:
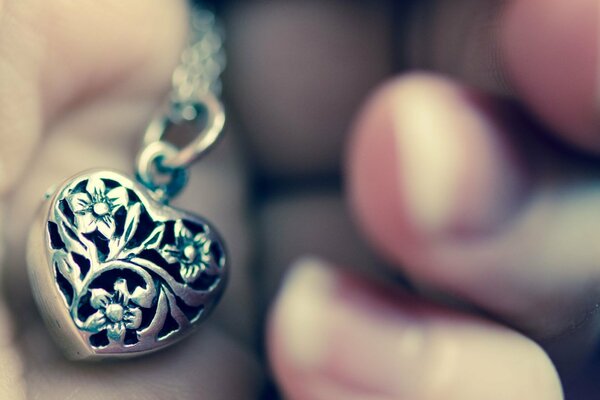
(206, 111)
(194, 107)
(163, 181)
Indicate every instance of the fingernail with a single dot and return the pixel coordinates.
(305, 293)
(429, 157)
(456, 170)
(347, 338)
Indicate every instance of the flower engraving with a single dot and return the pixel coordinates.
(114, 312)
(192, 252)
(104, 230)
(95, 208)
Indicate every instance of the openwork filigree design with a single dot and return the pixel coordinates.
(191, 252)
(132, 272)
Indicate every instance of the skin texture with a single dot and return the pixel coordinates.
(459, 177)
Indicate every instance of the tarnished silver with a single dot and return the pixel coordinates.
(164, 182)
(189, 112)
(115, 270)
(195, 95)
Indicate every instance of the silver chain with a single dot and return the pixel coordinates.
(202, 61)
(194, 100)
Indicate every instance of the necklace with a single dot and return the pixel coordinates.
(116, 271)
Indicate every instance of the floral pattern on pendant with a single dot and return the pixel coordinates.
(96, 207)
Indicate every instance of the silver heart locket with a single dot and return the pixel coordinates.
(115, 269)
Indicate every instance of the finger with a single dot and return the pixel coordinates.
(12, 382)
(309, 63)
(210, 365)
(335, 336)
(441, 186)
(18, 92)
(49, 62)
(545, 51)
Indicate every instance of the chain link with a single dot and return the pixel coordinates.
(194, 101)
(202, 61)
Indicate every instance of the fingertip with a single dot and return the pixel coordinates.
(429, 160)
(371, 173)
(509, 233)
(550, 50)
(355, 340)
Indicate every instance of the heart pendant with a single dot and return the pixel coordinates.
(118, 273)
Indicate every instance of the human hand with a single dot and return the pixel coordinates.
(487, 209)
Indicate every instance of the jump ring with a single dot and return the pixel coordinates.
(166, 182)
(206, 138)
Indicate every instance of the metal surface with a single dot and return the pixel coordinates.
(212, 121)
(164, 182)
(194, 98)
(117, 273)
